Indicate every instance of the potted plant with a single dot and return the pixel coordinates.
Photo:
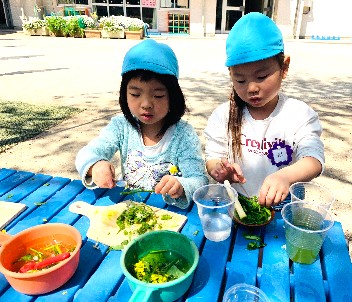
(134, 28)
(74, 27)
(56, 25)
(35, 27)
(91, 26)
(112, 27)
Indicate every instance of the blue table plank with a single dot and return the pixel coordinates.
(275, 273)
(4, 173)
(47, 190)
(337, 265)
(27, 187)
(243, 264)
(4, 285)
(12, 295)
(208, 276)
(9, 183)
(308, 282)
(107, 277)
(123, 293)
(52, 206)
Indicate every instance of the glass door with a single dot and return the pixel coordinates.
(232, 10)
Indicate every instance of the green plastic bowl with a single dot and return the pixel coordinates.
(159, 240)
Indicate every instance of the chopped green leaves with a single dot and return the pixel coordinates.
(256, 244)
(137, 214)
(166, 217)
(253, 245)
(256, 214)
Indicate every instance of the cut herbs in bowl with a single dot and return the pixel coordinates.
(159, 265)
(40, 259)
(255, 214)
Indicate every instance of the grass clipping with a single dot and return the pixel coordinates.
(21, 121)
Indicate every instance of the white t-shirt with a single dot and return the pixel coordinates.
(291, 132)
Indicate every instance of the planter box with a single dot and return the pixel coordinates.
(135, 35)
(37, 32)
(113, 34)
(92, 33)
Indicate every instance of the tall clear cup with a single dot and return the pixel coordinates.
(312, 192)
(306, 225)
(215, 210)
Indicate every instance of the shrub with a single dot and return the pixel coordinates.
(56, 24)
(73, 27)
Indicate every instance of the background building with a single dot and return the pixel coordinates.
(296, 18)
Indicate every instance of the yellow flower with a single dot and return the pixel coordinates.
(156, 278)
(139, 269)
(173, 170)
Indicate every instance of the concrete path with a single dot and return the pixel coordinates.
(86, 73)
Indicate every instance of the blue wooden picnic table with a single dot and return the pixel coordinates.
(222, 264)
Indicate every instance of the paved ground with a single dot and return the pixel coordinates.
(85, 73)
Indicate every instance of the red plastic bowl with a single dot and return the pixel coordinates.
(41, 282)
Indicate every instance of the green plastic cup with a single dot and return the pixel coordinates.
(155, 241)
(306, 225)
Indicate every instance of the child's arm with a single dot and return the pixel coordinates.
(276, 186)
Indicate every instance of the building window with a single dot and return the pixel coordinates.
(174, 3)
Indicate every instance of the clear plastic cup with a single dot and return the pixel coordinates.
(306, 225)
(215, 210)
(245, 293)
(312, 192)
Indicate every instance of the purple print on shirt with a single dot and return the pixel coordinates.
(280, 154)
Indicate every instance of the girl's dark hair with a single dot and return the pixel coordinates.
(177, 101)
(237, 105)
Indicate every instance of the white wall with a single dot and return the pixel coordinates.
(284, 16)
(328, 18)
(203, 15)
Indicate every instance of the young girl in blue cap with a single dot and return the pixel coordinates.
(261, 140)
(158, 150)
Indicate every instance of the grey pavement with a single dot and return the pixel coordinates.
(86, 73)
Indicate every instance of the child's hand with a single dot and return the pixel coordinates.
(103, 174)
(169, 185)
(275, 189)
(224, 170)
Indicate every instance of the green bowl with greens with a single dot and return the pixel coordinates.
(159, 265)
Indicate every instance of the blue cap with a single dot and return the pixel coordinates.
(153, 56)
(254, 37)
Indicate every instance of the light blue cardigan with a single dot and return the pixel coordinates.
(183, 151)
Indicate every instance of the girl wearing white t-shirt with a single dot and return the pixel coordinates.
(261, 140)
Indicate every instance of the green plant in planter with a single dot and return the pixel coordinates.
(56, 25)
(73, 27)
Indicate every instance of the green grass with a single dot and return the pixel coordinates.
(20, 121)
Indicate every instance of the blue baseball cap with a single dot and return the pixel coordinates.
(153, 56)
(254, 37)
